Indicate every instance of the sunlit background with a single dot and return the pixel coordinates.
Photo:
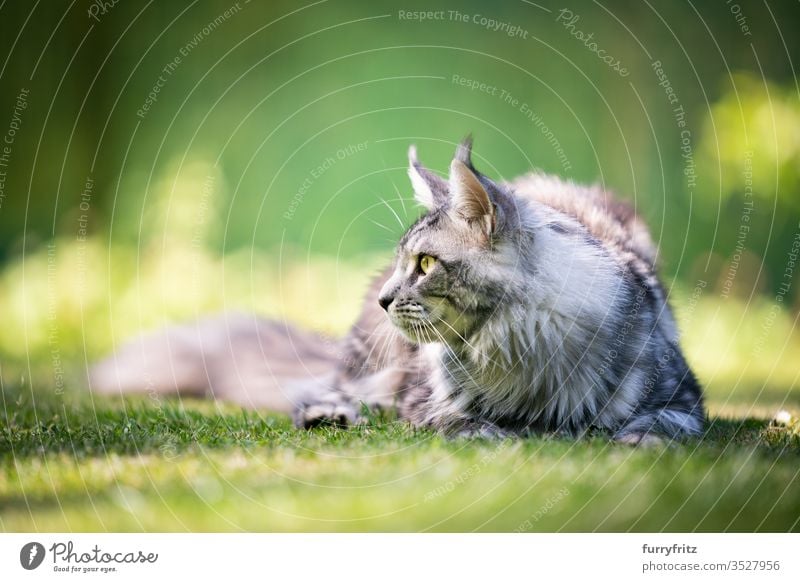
(161, 161)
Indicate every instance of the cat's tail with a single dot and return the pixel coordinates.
(234, 357)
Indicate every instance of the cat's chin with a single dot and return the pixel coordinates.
(421, 333)
(415, 331)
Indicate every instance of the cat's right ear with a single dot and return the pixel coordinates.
(429, 189)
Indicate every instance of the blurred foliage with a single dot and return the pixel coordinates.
(758, 120)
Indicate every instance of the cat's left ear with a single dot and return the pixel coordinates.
(469, 200)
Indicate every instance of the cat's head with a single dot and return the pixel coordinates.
(455, 266)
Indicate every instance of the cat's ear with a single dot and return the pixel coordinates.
(429, 189)
(469, 200)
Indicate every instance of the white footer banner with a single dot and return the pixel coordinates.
(331, 557)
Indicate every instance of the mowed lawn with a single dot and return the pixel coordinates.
(69, 463)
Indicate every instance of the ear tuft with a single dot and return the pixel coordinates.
(464, 152)
(429, 189)
(412, 155)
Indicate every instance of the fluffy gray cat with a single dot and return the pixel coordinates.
(511, 308)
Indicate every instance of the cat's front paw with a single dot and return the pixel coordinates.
(329, 409)
(640, 439)
(481, 430)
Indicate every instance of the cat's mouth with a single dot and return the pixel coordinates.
(411, 326)
(413, 320)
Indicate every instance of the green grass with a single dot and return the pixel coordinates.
(68, 463)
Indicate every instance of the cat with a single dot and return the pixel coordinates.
(511, 308)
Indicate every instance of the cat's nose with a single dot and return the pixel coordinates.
(385, 301)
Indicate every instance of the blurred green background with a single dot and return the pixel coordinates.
(174, 159)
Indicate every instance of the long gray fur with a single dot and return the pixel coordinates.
(542, 313)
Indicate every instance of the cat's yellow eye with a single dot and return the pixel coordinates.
(426, 263)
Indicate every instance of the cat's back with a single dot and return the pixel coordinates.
(606, 218)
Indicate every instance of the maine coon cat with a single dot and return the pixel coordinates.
(510, 308)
